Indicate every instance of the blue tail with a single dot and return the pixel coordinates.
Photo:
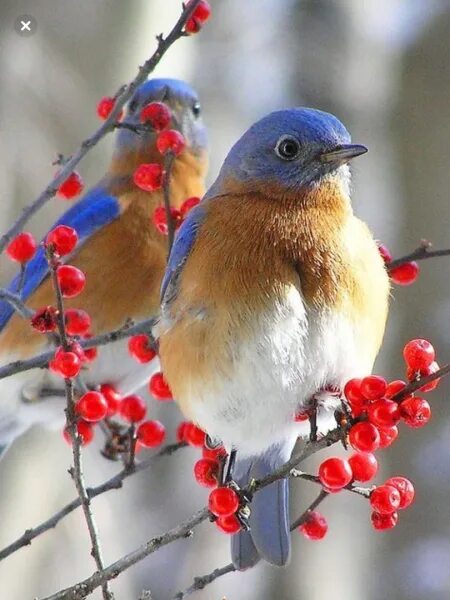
(269, 536)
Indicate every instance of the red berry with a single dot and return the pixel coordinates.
(188, 205)
(77, 349)
(405, 274)
(133, 408)
(71, 187)
(206, 471)
(44, 319)
(194, 436)
(181, 430)
(388, 435)
(415, 412)
(405, 489)
(223, 501)
(364, 437)
(159, 388)
(335, 473)
(424, 372)
(157, 114)
(394, 388)
(418, 354)
(315, 526)
(139, 347)
(92, 407)
(385, 499)
(66, 364)
(364, 466)
(352, 391)
(199, 17)
(381, 522)
(214, 453)
(22, 247)
(229, 524)
(151, 433)
(373, 387)
(63, 239)
(383, 413)
(105, 107)
(71, 280)
(160, 219)
(170, 141)
(85, 431)
(149, 177)
(77, 321)
(385, 253)
(112, 398)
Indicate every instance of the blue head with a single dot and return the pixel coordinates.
(294, 148)
(186, 110)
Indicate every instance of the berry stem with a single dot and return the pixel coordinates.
(360, 491)
(314, 504)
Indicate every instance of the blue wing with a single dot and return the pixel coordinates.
(181, 249)
(96, 209)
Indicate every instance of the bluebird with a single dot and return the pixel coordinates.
(274, 293)
(121, 253)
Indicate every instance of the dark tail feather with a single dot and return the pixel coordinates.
(269, 535)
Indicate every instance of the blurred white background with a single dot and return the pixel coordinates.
(383, 67)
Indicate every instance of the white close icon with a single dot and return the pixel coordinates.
(25, 25)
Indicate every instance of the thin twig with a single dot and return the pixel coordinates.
(201, 582)
(42, 360)
(15, 301)
(314, 504)
(85, 587)
(168, 164)
(76, 471)
(422, 252)
(360, 491)
(107, 126)
(114, 483)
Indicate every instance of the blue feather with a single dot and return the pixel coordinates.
(95, 210)
(181, 249)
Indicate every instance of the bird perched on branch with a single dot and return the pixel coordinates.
(274, 293)
(121, 253)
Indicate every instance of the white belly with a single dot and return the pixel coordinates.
(293, 354)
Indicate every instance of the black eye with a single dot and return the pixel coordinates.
(196, 109)
(287, 148)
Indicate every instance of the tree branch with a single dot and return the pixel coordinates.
(422, 252)
(114, 483)
(16, 303)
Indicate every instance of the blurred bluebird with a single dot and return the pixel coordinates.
(120, 251)
(274, 293)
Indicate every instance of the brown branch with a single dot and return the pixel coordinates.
(114, 483)
(42, 360)
(16, 302)
(413, 386)
(422, 252)
(314, 504)
(82, 589)
(76, 471)
(360, 491)
(107, 126)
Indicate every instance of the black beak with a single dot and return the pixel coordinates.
(342, 154)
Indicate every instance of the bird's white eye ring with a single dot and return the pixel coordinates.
(287, 148)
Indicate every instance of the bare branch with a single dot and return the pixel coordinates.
(16, 303)
(114, 483)
(168, 164)
(422, 252)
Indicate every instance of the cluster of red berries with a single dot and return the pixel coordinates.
(95, 406)
(378, 408)
(140, 348)
(405, 274)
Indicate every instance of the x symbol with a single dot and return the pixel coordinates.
(25, 25)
